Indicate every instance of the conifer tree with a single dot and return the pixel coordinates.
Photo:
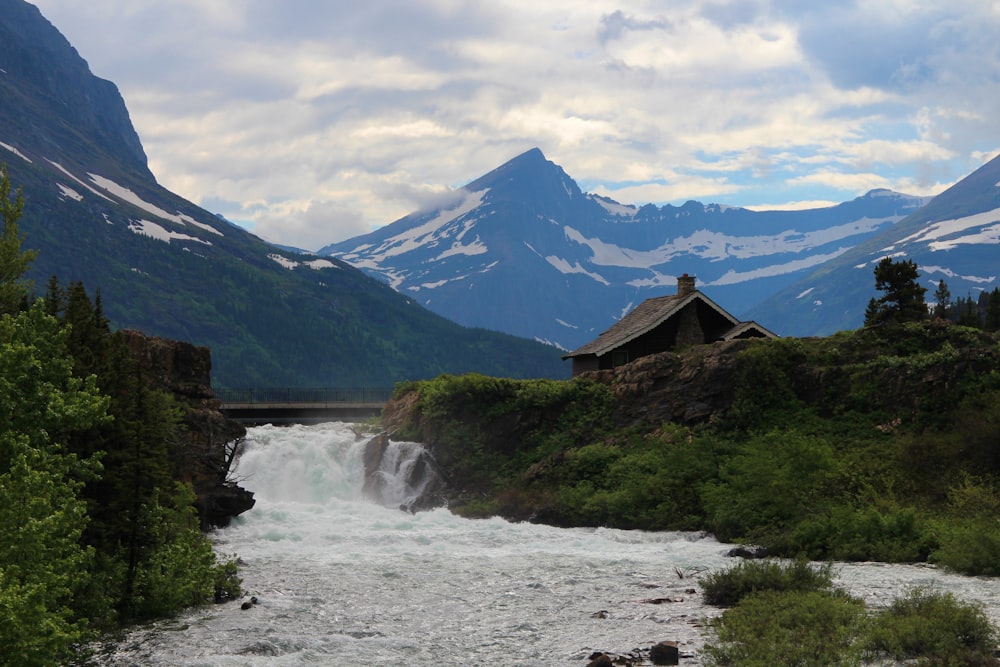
(903, 297)
(993, 311)
(942, 300)
(14, 262)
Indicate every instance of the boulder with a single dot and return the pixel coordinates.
(664, 653)
(749, 551)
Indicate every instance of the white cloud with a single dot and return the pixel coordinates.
(319, 121)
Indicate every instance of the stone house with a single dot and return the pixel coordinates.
(663, 323)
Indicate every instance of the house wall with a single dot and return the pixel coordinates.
(586, 363)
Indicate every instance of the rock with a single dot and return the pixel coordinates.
(750, 551)
(210, 441)
(664, 653)
(600, 660)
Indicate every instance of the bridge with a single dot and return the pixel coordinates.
(302, 405)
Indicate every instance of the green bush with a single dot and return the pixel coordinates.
(771, 483)
(897, 534)
(933, 627)
(727, 588)
(778, 629)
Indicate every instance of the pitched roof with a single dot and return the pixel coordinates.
(647, 316)
(743, 327)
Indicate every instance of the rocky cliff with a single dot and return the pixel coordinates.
(209, 440)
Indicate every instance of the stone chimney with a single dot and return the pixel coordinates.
(685, 285)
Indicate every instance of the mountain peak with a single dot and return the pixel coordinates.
(51, 98)
(530, 175)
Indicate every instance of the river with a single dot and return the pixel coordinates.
(343, 580)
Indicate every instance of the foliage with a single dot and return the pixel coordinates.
(788, 629)
(181, 568)
(769, 484)
(488, 429)
(903, 296)
(726, 588)
(14, 261)
(94, 528)
(43, 564)
(142, 524)
(935, 629)
(853, 533)
(791, 615)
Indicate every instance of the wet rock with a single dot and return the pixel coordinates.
(600, 660)
(664, 653)
(749, 551)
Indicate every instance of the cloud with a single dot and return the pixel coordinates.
(319, 121)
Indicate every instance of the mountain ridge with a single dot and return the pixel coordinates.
(523, 249)
(272, 317)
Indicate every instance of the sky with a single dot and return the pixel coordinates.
(311, 122)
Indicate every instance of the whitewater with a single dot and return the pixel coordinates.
(341, 578)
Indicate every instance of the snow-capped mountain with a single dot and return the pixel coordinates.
(272, 316)
(955, 238)
(525, 251)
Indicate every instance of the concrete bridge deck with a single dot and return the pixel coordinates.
(302, 405)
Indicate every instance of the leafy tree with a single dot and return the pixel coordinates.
(903, 297)
(14, 261)
(43, 566)
(942, 300)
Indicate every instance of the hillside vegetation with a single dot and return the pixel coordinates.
(875, 444)
(96, 528)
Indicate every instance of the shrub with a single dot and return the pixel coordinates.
(726, 588)
(933, 627)
(897, 534)
(800, 628)
(773, 482)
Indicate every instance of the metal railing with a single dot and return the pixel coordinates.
(305, 395)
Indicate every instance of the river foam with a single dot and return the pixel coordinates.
(341, 579)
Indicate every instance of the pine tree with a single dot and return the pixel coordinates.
(903, 297)
(942, 300)
(993, 311)
(14, 262)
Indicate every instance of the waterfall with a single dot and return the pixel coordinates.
(401, 474)
(331, 463)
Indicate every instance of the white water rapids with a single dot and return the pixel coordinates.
(342, 580)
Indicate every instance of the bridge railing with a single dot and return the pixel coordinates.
(305, 395)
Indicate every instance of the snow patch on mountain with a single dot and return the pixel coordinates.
(732, 276)
(945, 271)
(430, 232)
(155, 231)
(718, 246)
(935, 233)
(126, 195)
(614, 208)
(477, 247)
(66, 192)
(563, 266)
(16, 152)
(290, 264)
(79, 181)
